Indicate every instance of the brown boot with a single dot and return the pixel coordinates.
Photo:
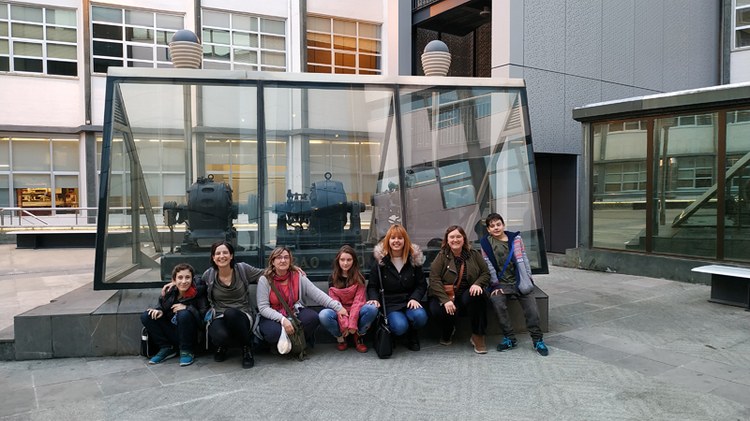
(478, 342)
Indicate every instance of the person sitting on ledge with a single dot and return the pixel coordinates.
(398, 265)
(173, 323)
(228, 289)
(506, 259)
(459, 267)
(347, 285)
(297, 290)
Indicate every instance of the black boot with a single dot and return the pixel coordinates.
(220, 354)
(412, 340)
(247, 357)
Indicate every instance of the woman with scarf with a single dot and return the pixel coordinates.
(173, 323)
(297, 291)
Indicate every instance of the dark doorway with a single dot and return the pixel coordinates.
(556, 177)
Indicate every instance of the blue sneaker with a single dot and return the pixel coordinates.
(541, 348)
(163, 354)
(506, 344)
(186, 358)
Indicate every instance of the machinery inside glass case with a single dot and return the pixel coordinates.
(262, 160)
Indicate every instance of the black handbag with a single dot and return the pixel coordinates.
(383, 342)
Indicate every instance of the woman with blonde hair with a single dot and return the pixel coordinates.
(398, 267)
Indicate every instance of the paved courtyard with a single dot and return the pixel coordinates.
(622, 348)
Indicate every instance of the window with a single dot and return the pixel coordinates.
(243, 42)
(38, 40)
(695, 173)
(342, 46)
(742, 24)
(131, 38)
(625, 177)
(42, 173)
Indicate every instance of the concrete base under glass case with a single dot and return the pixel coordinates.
(88, 323)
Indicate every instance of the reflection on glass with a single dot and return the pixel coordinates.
(737, 195)
(685, 185)
(619, 185)
(317, 166)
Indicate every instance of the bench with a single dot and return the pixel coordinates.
(729, 284)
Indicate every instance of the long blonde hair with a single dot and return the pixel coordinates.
(397, 230)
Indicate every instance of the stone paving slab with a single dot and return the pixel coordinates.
(647, 349)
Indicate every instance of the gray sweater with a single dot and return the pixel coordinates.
(308, 294)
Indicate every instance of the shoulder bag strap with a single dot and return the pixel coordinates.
(505, 266)
(382, 296)
(460, 275)
(283, 301)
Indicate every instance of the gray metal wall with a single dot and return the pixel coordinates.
(577, 52)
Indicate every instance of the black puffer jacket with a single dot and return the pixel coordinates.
(399, 287)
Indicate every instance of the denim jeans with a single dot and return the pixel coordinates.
(401, 321)
(330, 320)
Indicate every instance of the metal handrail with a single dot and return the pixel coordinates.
(24, 218)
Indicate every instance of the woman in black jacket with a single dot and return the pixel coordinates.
(398, 263)
(177, 316)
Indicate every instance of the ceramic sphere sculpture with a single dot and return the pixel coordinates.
(185, 50)
(436, 59)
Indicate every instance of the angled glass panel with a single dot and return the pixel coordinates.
(469, 155)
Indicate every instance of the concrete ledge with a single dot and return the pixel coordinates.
(88, 323)
(639, 264)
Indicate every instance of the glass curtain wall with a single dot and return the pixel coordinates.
(737, 186)
(308, 165)
(619, 184)
(685, 168)
(688, 197)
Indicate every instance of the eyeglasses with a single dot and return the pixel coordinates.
(285, 257)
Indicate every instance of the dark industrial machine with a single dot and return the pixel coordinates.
(208, 215)
(318, 219)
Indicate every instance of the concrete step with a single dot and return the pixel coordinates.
(88, 323)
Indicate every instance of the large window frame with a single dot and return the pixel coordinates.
(38, 40)
(127, 37)
(240, 41)
(336, 45)
(741, 24)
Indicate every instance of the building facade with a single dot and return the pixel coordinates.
(54, 55)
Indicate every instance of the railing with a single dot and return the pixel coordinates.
(47, 218)
(421, 4)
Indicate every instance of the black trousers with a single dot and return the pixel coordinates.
(474, 306)
(233, 327)
(271, 329)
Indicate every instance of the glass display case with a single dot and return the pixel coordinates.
(190, 157)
